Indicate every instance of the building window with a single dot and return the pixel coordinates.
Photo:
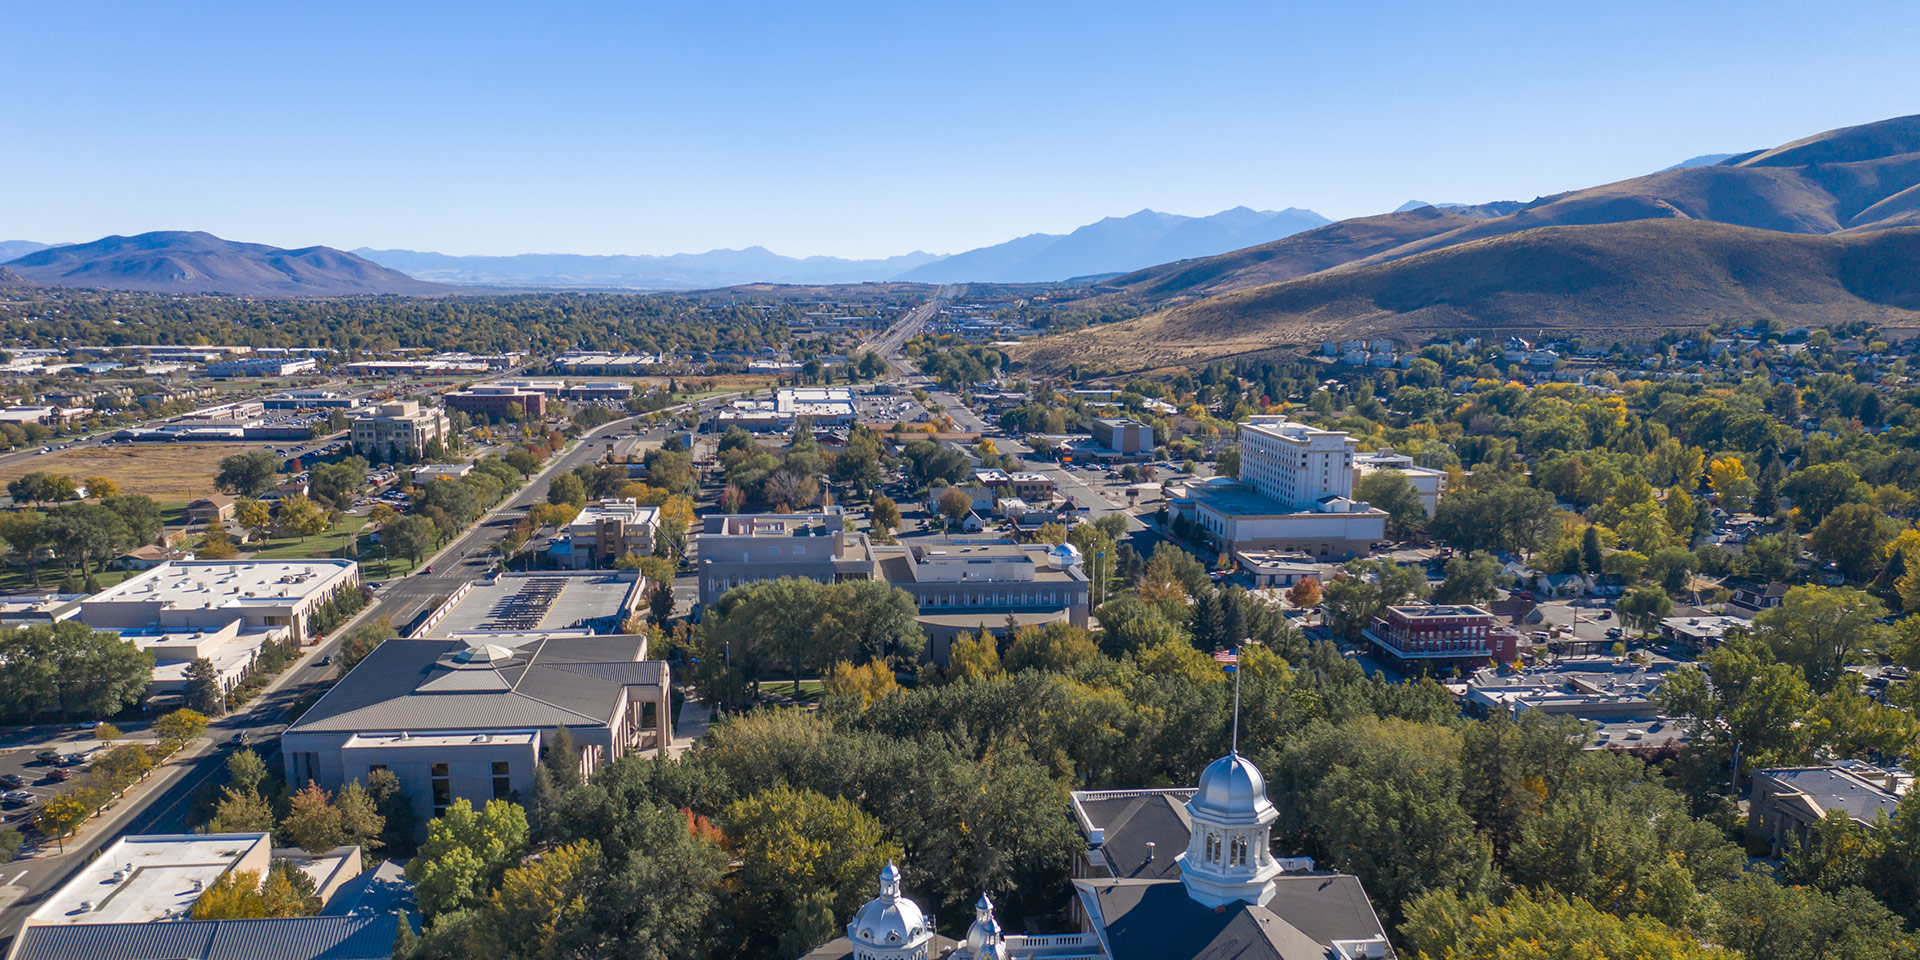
(502, 780)
(1213, 848)
(1237, 856)
(442, 789)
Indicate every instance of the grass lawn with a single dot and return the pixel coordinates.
(330, 544)
(15, 579)
(167, 472)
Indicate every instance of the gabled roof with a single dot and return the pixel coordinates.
(1142, 919)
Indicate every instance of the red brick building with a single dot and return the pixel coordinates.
(494, 401)
(1426, 637)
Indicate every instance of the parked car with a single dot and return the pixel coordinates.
(16, 798)
(73, 759)
(59, 774)
(48, 756)
(13, 781)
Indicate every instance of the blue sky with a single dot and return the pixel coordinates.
(874, 129)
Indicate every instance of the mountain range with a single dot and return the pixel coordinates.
(199, 263)
(192, 262)
(1821, 229)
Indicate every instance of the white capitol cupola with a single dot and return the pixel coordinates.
(890, 926)
(1228, 858)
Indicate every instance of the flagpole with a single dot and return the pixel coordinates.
(1235, 749)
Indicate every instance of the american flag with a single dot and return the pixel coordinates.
(1226, 656)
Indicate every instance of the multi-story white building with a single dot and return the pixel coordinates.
(399, 430)
(1295, 464)
(1295, 493)
(1430, 484)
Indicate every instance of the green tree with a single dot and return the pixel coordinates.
(1855, 536)
(1390, 490)
(465, 855)
(412, 537)
(1590, 557)
(1473, 578)
(1741, 707)
(1365, 589)
(883, 516)
(248, 474)
(204, 691)
(1820, 489)
(793, 844)
(1821, 630)
(567, 488)
(1643, 608)
(312, 823)
(1446, 926)
(1767, 920)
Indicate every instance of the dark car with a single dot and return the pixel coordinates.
(13, 781)
(49, 756)
(242, 738)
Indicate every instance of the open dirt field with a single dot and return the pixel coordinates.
(167, 472)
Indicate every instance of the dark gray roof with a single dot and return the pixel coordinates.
(558, 681)
(1835, 790)
(1131, 823)
(1157, 920)
(290, 938)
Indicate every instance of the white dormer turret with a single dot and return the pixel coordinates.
(1228, 858)
(985, 940)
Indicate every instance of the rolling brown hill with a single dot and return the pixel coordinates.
(193, 262)
(1620, 280)
(1851, 180)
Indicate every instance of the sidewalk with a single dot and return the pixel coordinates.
(129, 803)
(692, 725)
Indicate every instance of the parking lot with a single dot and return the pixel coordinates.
(27, 779)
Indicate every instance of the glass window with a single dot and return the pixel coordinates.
(439, 769)
(442, 793)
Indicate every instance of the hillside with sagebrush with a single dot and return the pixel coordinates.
(1720, 234)
(1621, 281)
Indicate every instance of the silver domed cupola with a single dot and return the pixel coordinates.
(1228, 857)
(890, 926)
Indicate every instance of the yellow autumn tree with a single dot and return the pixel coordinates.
(1728, 477)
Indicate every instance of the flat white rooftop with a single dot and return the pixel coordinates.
(363, 741)
(166, 875)
(211, 584)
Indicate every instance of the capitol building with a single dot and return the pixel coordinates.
(1220, 894)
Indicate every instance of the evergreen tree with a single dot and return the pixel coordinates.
(1590, 556)
(203, 688)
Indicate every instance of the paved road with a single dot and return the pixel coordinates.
(166, 806)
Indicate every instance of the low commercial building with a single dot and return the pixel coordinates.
(1238, 517)
(497, 401)
(400, 430)
(605, 531)
(1276, 569)
(1031, 487)
(1427, 637)
(1430, 484)
(966, 585)
(460, 719)
(739, 549)
(1788, 801)
(539, 603)
(263, 367)
(428, 473)
(1699, 633)
(135, 900)
(209, 595)
(1121, 435)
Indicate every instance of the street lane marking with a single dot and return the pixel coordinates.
(16, 879)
